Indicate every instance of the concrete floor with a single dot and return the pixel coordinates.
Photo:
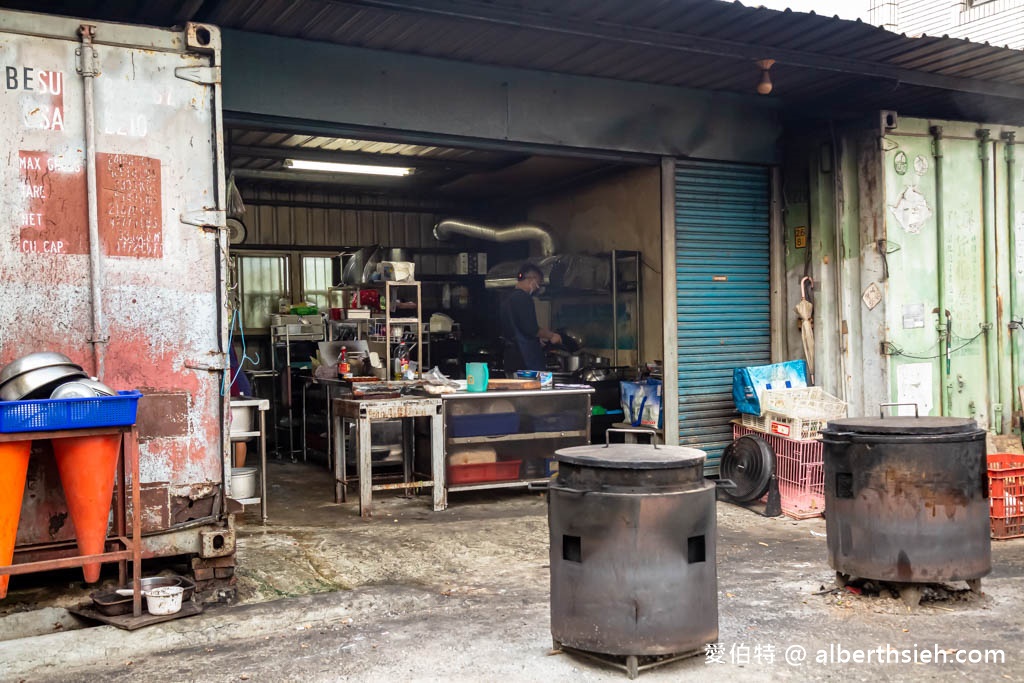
(463, 594)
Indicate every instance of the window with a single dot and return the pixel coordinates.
(316, 279)
(262, 280)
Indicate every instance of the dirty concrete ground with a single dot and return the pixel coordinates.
(463, 595)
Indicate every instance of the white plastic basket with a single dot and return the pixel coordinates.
(798, 414)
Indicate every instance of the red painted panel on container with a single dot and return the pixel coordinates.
(54, 216)
(130, 206)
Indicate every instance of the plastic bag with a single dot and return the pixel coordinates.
(641, 403)
(748, 384)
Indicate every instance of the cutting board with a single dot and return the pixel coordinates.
(513, 384)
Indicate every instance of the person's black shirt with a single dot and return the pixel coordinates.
(519, 326)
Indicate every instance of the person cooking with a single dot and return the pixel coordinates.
(519, 326)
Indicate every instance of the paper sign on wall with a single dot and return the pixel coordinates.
(914, 385)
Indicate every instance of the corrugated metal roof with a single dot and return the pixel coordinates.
(822, 63)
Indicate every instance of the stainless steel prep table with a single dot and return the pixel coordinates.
(363, 412)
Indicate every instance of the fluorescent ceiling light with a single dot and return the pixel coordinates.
(331, 167)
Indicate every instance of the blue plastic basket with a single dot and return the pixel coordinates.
(69, 413)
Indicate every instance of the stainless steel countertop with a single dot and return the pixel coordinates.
(511, 394)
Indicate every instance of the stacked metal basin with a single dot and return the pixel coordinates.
(632, 531)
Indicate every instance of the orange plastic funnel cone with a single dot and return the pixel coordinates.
(13, 468)
(87, 466)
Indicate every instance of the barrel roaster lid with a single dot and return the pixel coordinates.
(622, 456)
(910, 426)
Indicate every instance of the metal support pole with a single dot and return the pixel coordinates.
(988, 222)
(670, 314)
(940, 269)
(88, 67)
(1011, 213)
(615, 308)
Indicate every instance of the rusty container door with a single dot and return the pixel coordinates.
(156, 260)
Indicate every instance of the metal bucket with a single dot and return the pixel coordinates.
(632, 531)
(907, 499)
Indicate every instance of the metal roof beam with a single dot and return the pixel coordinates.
(399, 160)
(616, 33)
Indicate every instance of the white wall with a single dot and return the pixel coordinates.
(999, 22)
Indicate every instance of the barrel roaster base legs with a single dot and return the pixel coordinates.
(631, 664)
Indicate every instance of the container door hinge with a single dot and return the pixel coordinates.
(88, 59)
(203, 75)
(216, 362)
(208, 219)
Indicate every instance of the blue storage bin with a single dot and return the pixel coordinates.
(484, 424)
(69, 413)
(568, 421)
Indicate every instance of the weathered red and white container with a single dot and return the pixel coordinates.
(112, 251)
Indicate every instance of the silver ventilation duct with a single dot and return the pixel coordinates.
(516, 232)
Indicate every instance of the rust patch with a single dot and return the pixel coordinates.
(163, 415)
(156, 508)
(130, 205)
(57, 523)
(54, 217)
(197, 504)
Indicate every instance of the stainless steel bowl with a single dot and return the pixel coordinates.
(32, 361)
(100, 388)
(73, 390)
(39, 383)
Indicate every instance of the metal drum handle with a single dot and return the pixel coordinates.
(649, 432)
(883, 406)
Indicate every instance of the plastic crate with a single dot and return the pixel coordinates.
(800, 469)
(69, 413)
(1006, 492)
(787, 427)
(483, 424)
(806, 403)
(798, 414)
(482, 472)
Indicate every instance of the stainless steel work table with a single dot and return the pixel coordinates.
(363, 412)
(547, 419)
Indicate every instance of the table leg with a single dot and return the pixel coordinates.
(437, 462)
(330, 420)
(263, 466)
(338, 466)
(121, 513)
(343, 436)
(305, 385)
(407, 452)
(133, 445)
(363, 458)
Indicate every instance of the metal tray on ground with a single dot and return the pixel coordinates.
(111, 604)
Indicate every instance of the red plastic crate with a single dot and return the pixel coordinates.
(1006, 493)
(481, 472)
(800, 469)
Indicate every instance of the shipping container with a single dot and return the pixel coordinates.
(114, 253)
(911, 231)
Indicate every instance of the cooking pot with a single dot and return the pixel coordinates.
(571, 363)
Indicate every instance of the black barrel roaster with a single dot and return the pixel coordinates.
(632, 531)
(906, 499)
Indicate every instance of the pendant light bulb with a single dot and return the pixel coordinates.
(765, 86)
